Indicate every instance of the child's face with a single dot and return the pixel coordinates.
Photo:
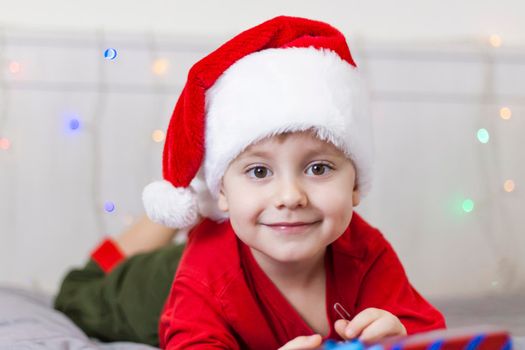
(289, 196)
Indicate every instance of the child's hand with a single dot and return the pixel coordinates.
(370, 325)
(304, 342)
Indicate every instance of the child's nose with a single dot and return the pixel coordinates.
(290, 194)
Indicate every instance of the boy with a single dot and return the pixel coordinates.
(271, 131)
(270, 143)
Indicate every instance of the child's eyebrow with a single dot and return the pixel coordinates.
(309, 153)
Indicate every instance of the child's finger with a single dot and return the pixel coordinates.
(382, 327)
(303, 342)
(340, 327)
(362, 320)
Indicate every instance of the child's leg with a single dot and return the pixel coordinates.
(125, 303)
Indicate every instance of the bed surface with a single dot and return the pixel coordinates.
(27, 321)
(507, 312)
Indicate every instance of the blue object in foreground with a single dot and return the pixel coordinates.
(436, 345)
(507, 345)
(330, 344)
(474, 343)
(354, 344)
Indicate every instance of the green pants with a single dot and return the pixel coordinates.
(125, 304)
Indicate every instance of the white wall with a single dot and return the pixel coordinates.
(429, 96)
(446, 20)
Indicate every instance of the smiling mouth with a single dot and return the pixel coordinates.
(292, 227)
(291, 224)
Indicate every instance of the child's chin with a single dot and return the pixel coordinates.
(290, 255)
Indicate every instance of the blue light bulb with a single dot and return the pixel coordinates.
(109, 207)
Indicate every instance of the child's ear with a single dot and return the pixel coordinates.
(222, 202)
(356, 197)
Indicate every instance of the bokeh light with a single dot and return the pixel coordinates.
(468, 205)
(158, 135)
(109, 207)
(74, 124)
(15, 67)
(110, 54)
(160, 66)
(505, 113)
(483, 135)
(5, 144)
(509, 186)
(495, 40)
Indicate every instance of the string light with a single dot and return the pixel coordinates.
(74, 124)
(4, 143)
(509, 186)
(109, 207)
(483, 135)
(15, 67)
(468, 205)
(495, 40)
(158, 136)
(505, 113)
(160, 66)
(110, 54)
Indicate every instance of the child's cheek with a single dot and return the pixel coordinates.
(246, 208)
(337, 204)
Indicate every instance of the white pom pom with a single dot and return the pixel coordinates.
(170, 206)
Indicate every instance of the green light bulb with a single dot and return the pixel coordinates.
(483, 135)
(468, 205)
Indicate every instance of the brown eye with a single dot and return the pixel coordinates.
(259, 172)
(319, 169)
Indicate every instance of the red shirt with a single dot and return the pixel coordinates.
(221, 298)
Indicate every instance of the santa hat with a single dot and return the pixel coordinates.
(285, 75)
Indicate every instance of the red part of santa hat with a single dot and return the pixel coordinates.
(286, 74)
